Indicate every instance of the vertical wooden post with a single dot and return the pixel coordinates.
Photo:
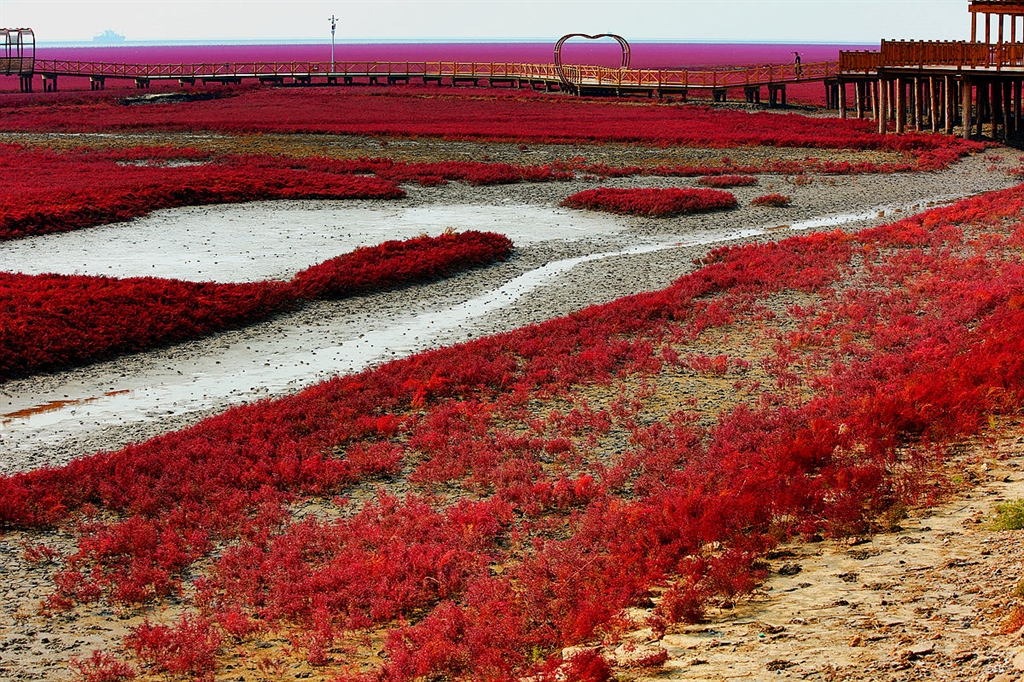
(918, 108)
(988, 29)
(974, 27)
(858, 95)
(1009, 129)
(842, 99)
(883, 105)
(933, 90)
(984, 107)
(1000, 29)
(1013, 29)
(968, 105)
(901, 104)
(1016, 103)
(873, 93)
(949, 113)
(996, 104)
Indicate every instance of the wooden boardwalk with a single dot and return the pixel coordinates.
(576, 79)
(937, 85)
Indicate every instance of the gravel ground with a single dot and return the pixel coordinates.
(109, 404)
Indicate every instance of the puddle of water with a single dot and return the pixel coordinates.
(219, 243)
(895, 211)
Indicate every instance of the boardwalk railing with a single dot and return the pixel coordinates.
(769, 74)
(577, 76)
(950, 54)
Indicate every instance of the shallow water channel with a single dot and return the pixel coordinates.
(250, 242)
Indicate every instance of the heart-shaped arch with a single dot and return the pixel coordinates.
(561, 41)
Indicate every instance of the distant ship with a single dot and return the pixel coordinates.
(108, 37)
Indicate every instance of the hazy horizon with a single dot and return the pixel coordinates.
(700, 21)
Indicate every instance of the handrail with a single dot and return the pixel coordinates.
(920, 53)
(576, 75)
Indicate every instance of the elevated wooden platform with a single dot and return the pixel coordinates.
(937, 85)
(573, 78)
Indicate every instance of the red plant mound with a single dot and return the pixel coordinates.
(774, 199)
(401, 262)
(727, 180)
(652, 202)
(56, 321)
(52, 321)
(555, 474)
(46, 191)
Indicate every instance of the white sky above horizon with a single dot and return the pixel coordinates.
(825, 21)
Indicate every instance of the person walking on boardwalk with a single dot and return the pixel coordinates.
(796, 62)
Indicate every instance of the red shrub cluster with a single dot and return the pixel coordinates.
(56, 321)
(496, 115)
(53, 321)
(652, 202)
(531, 460)
(400, 262)
(774, 200)
(722, 181)
(46, 191)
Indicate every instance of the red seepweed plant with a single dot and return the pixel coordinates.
(58, 321)
(657, 203)
(774, 200)
(553, 475)
(727, 181)
(492, 115)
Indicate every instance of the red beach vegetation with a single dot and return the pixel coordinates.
(57, 321)
(494, 115)
(657, 203)
(774, 200)
(555, 475)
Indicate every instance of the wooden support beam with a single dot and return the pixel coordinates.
(934, 85)
(949, 108)
(984, 107)
(997, 108)
(842, 99)
(1007, 98)
(967, 105)
(988, 29)
(1013, 29)
(1000, 29)
(901, 105)
(917, 103)
(974, 27)
(858, 96)
(1016, 104)
(883, 118)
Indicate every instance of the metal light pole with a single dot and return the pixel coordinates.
(334, 24)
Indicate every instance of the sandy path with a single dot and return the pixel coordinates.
(924, 603)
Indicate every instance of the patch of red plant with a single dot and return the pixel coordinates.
(723, 181)
(651, 202)
(57, 321)
(47, 191)
(488, 115)
(518, 534)
(774, 200)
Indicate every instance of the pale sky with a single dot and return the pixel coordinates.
(832, 21)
